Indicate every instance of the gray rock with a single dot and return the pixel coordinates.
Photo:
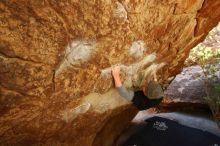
(187, 87)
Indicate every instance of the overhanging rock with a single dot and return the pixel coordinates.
(55, 57)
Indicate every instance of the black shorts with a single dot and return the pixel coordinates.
(142, 102)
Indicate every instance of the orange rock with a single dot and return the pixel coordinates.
(52, 54)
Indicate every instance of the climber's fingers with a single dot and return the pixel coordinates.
(115, 70)
(155, 76)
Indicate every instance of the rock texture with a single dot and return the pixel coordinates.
(55, 59)
(186, 91)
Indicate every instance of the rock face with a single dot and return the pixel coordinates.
(55, 59)
(186, 91)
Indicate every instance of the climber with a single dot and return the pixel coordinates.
(150, 96)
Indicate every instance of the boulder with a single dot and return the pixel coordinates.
(55, 59)
(186, 91)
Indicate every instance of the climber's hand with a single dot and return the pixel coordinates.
(116, 76)
(155, 76)
(115, 71)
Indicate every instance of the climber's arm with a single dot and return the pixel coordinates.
(116, 76)
(128, 94)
